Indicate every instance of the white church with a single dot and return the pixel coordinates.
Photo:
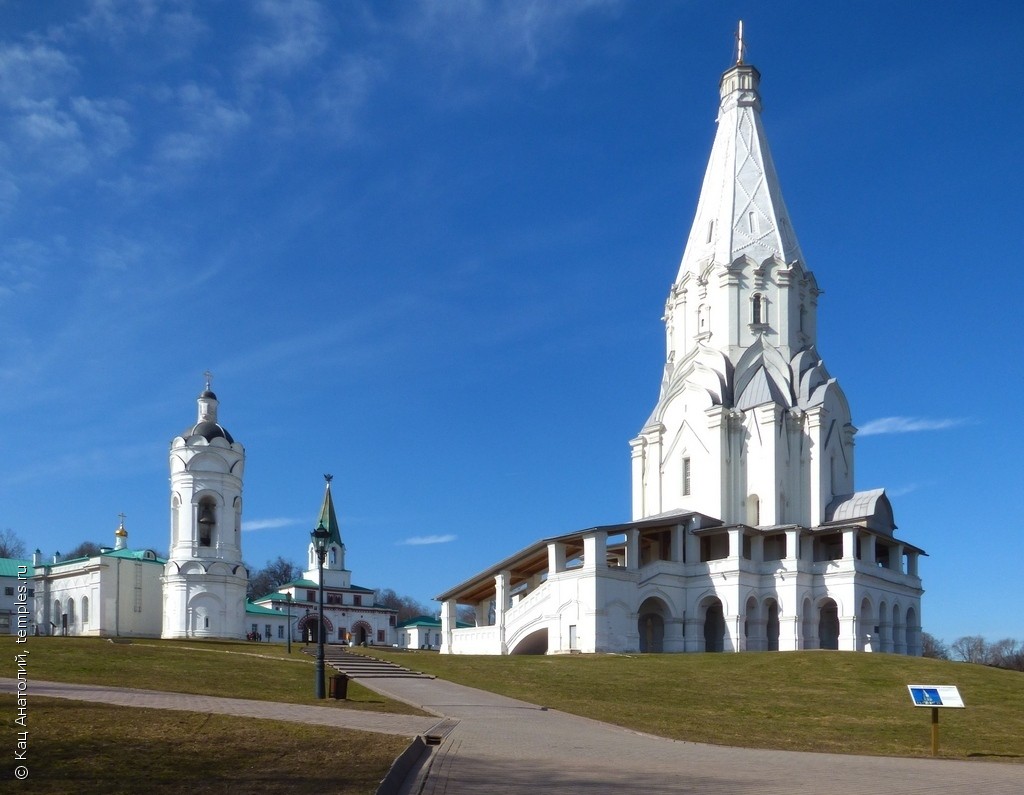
(199, 590)
(747, 530)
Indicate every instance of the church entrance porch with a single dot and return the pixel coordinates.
(362, 634)
(309, 628)
(651, 626)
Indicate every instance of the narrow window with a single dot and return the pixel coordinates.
(686, 476)
(751, 222)
(138, 588)
(758, 309)
(711, 230)
(85, 610)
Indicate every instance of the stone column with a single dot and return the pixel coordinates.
(849, 544)
(595, 551)
(449, 609)
(633, 549)
(556, 557)
(678, 542)
(501, 599)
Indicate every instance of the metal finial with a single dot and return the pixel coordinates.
(209, 378)
(121, 516)
(739, 42)
(328, 478)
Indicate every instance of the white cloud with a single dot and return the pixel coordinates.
(907, 425)
(268, 524)
(297, 35)
(424, 540)
(517, 32)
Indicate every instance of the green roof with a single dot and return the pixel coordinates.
(260, 610)
(9, 567)
(327, 516)
(134, 554)
(429, 621)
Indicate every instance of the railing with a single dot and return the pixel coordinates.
(476, 640)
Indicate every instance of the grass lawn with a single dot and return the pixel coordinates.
(233, 669)
(86, 748)
(841, 702)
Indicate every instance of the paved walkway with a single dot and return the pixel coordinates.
(500, 745)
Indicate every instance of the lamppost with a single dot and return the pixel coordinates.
(320, 537)
(288, 598)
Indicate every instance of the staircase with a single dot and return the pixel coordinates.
(359, 666)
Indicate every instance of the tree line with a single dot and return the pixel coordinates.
(1006, 653)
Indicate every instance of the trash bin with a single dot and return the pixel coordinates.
(338, 686)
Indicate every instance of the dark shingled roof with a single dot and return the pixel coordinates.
(209, 431)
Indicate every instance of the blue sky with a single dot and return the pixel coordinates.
(426, 246)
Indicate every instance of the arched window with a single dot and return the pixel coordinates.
(206, 521)
(71, 613)
(703, 319)
(758, 310)
(753, 510)
(85, 610)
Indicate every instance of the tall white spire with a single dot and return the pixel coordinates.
(740, 211)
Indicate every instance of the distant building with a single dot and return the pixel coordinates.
(116, 593)
(351, 614)
(422, 632)
(747, 530)
(199, 590)
(16, 574)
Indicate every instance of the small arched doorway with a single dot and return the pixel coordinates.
(828, 625)
(714, 626)
(650, 625)
(309, 628)
(362, 633)
(772, 628)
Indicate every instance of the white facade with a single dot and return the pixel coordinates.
(204, 579)
(116, 593)
(17, 596)
(747, 531)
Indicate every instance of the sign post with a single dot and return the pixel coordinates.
(936, 697)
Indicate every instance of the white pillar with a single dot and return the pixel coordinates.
(556, 557)
(595, 551)
(448, 612)
(633, 549)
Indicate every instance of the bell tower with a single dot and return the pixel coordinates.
(204, 579)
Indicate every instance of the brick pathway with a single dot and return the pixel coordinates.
(499, 746)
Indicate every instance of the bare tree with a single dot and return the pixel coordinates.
(10, 545)
(84, 550)
(1006, 653)
(406, 606)
(933, 647)
(971, 648)
(268, 579)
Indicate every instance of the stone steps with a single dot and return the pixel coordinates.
(358, 666)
